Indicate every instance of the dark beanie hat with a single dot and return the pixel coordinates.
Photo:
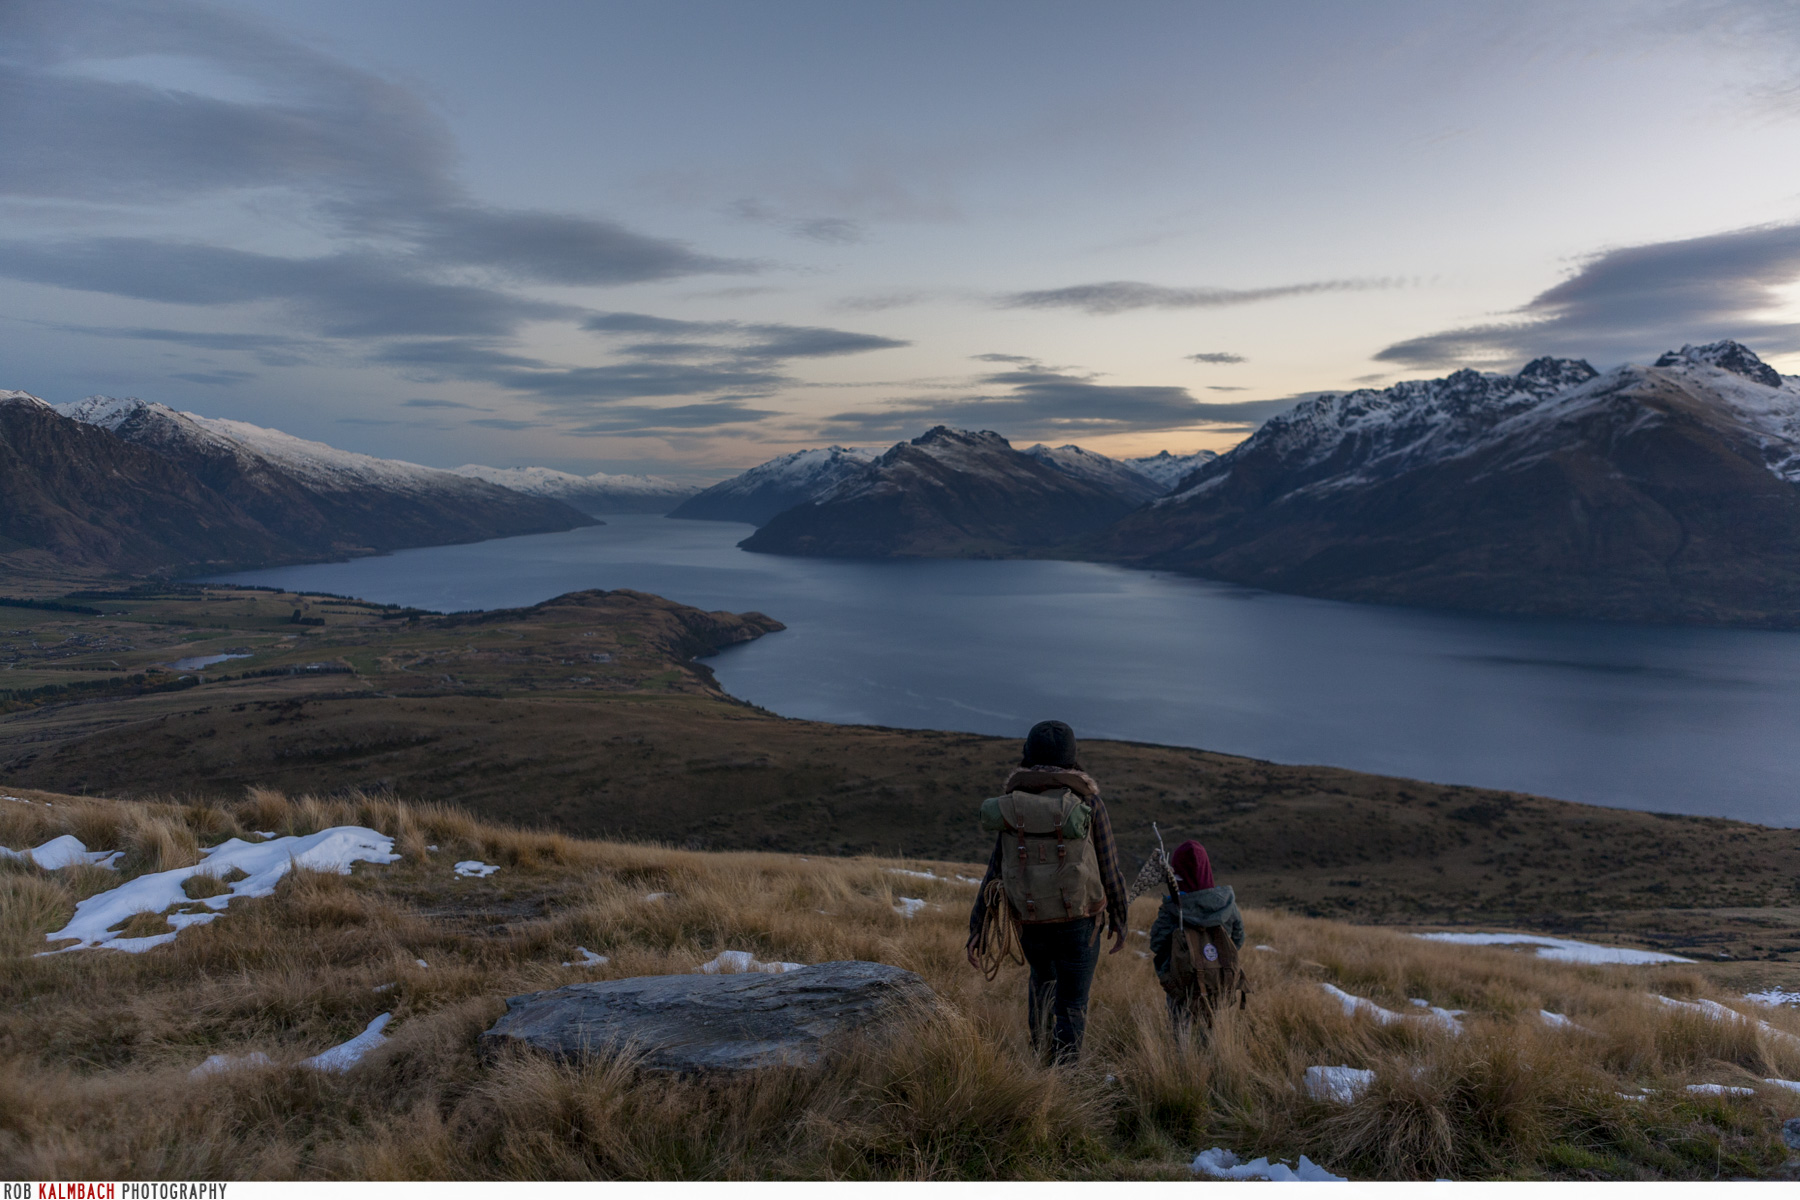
(1049, 744)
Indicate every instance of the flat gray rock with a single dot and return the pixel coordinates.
(703, 1023)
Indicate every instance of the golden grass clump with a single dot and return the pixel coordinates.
(107, 1039)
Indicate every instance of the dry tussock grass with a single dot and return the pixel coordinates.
(96, 1046)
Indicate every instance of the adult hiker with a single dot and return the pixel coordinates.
(1194, 943)
(1052, 886)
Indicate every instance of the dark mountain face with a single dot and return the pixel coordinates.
(1659, 493)
(77, 495)
(946, 494)
(324, 502)
(137, 487)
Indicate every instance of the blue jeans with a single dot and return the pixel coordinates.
(1062, 955)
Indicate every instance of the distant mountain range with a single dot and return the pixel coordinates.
(779, 484)
(597, 495)
(1647, 493)
(956, 494)
(1658, 493)
(1668, 492)
(758, 495)
(131, 486)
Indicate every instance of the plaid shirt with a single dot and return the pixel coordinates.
(1106, 853)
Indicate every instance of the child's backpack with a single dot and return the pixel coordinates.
(1203, 973)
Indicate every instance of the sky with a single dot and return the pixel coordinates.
(685, 237)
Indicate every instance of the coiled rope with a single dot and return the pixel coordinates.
(998, 940)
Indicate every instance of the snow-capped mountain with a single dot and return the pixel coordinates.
(1166, 470)
(946, 494)
(319, 499)
(1662, 492)
(72, 495)
(596, 495)
(1124, 479)
(759, 493)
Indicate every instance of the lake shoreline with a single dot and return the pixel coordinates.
(1681, 719)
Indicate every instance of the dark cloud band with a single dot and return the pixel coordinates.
(1124, 295)
(1039, 403)
(1632, 303)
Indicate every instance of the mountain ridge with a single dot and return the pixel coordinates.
(596, 495)
(1650, 493)
(757, 495)
(274, 498)
(946, 493)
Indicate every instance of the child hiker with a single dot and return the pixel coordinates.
(1194, 943)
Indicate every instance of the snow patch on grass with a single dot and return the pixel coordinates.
(263, 865)
(1221, 1163)
(220, 1063)
(1449, 1018)
(1773, 998)
(474, 868)
(1715, 1011)
(347, 1055)
(1337, 1085)
(1557, 949)
(930, 875)
(65, 851)
(1356, 1004)
(1719, 1089)
(906, 906)
(1556, 1020)
(742, 962)
(587, 958)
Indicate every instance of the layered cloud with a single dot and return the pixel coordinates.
(721, 364)
(1033, 401)
(1634, 302)
(1123, 295)
(155, 109)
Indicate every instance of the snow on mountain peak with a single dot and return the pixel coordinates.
(25, 398)
(1122, 478)
(1370, 434)
(1166, 470)
(108, 412)
(1726, 355)
(803, 466)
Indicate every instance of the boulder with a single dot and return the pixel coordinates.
(692, 1024)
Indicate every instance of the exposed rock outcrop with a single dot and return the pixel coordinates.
(693, 1024)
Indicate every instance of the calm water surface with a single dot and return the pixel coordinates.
(1672, 720)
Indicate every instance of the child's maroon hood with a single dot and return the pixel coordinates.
(1192, 867)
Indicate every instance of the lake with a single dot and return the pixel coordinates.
(1662, 719)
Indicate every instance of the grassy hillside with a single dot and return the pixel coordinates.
(96, 1046)
(587, 715)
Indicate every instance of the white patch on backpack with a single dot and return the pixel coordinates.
(1210, 952)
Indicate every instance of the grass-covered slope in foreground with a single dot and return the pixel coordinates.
(96, 1046)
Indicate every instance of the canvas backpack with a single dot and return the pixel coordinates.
(1203, 972)
(1047, 859)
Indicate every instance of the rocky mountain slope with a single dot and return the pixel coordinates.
(1655, 493)
(596, 495)
(779, 484)
(946, 494)
(1166, 470)
(314, 500)
(72, 494)
(1122, 478)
